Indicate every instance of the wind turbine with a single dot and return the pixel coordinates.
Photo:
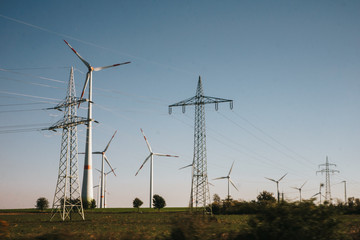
(277, 185)
(105, 175)
(300, 189)
(229, 181)
(87, 187)
(319, 193)
(102, 184)
(151, 164)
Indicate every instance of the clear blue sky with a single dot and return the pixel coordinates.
(291, 67)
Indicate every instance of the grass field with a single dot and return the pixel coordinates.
(127, 223)
(117, 223)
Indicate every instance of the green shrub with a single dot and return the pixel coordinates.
(294, 221)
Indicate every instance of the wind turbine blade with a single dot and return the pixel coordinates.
(220, 178)
(315, 194)
(143, 164)
(270, 179)
(190, 165)
(86, 82)
(295, 188)
(77, 54)
(110, 66)
(211, 184)
(303, 185)
(107, 161)
(97, 153)
(107, 146)
(231, 168)
(98, 170)
(233, 185)
(282, 177)
(164, 155)
(147, 143)
(110, 172)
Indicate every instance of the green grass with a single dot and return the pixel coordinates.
(116, 223)
(127, 223)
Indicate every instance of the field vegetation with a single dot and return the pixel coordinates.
(261, 219)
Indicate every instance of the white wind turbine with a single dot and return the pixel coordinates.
(277, 185)
(102, 182)
(151, 165)
(105, 175)
(300, 189)
(87, 188)
(229, 180)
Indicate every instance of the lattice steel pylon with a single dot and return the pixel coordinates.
(327, 172)
(200, 194)
(67, 197)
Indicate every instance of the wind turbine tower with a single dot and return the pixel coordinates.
(102, 172)
(277, 185)
(87, 187)
(200, 194)
(299, 189)
(67, 194)
(229, 181)
(151, 157)
(327, 172)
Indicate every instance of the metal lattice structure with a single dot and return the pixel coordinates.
(327, 172)
(200, 194)
(67, 198)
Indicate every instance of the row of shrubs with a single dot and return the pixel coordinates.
(266, 199)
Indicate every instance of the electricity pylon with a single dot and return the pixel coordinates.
(200, 194)
(67, 197)
(327, 172)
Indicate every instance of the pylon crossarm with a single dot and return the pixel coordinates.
(200, 101)
(68, 103)
(66, 124)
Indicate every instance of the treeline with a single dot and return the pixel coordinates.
(266, 200)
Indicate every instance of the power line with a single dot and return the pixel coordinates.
(31, 75)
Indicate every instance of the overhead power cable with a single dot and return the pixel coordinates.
(260, 139)
(31, 75)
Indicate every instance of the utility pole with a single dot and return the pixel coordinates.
(327, 172)
(67, 198)
(200, 194)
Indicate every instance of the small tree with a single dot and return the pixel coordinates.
(265, 197)
(216, 198)
(93, 204)
(158, 202)
(42, 203)
(137, 203)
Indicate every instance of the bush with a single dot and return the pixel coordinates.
(137, 203)
(42, 203)
(158, 202)
(294, 221)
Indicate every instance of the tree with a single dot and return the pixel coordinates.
(265, 197)
(216, 198)
(137, 203)
(158, 202)
(42, 203)
(93, 204)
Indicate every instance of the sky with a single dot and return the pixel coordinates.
(291, 68)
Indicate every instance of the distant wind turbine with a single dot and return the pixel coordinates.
(105, 175)
(277, 185)
(102, 184)
(319, 193)
(229, 180)
(300, 189)
(151, 165)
